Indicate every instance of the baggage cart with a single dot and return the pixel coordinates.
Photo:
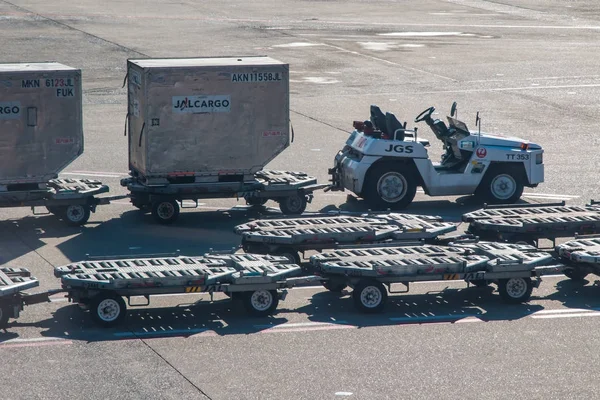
(515, 270)
(528, 223)
(258, 281)
(292, 190)
(290, 237)
(72, 200)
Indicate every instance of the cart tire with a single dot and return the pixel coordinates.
(575, 274)
(108, 309)
(261, 303)
(165, 211)
(5, 314)
(502, 184)
(335, 287)
(291, 255)
(515, 290)
(293, 205)
(369, 296)
(76, 214)
(389, 186)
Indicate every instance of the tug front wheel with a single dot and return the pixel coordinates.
(389, 186)
(502, 184)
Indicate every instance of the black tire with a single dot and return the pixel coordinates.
(165, 211)
(5, 313)
(290, 254)
(391, 179)
(261, 303)
(575, 274)
(75, 214)
(515, 290)
(108, 309)
(369, 296)
(502, 184)
(523, 240)
(335, 287)
(293, 205)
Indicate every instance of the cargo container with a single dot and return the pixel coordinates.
(40, 121)
(206, 119)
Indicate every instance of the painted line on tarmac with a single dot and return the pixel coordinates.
(164, 333)
(566, 313)
(92, 175)
(35, 342)
(443, 318)
(304, 326)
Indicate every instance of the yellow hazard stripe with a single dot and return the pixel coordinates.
(193, 289)
(451, 277)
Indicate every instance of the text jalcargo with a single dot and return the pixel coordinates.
(10, 110)
(202, 104)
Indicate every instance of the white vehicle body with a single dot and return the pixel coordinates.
(478, 152)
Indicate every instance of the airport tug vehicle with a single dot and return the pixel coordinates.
(384, 163)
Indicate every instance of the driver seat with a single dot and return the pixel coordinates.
(393, 125)
(378, 119)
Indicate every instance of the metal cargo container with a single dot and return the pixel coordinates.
(206, 117)
(41, 128)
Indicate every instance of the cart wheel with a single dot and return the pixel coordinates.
(291, 255)
(5, 314)
(165, 211)
(261, 303)
(369, 296)
(576, 274)
(76, 214)
(108, 309)
(293, 205)
(515, 290)
(335, 287)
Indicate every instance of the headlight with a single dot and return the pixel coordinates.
(539, 158)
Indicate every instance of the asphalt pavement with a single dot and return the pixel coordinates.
(530, 68)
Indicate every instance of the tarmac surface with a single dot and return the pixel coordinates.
(529, 67)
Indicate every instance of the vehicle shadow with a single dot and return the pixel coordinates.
(450, 210)
(133, 232)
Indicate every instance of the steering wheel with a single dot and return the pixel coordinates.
(425, 114)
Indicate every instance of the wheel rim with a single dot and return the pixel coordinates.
(503, 186)
(370, 297)
(261, 300)
(108, 310)
(75, 213)
(516, 287)
(392, 187)
(165, 210)
(294, 203)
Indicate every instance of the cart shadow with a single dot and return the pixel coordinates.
(325, 310)
(219, 318)
(579, 295)
(448, 305)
